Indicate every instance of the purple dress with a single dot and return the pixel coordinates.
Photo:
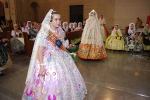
(62, 80)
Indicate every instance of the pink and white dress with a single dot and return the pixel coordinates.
(62, 80)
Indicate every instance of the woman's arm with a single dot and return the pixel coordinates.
(40, 58)
(13, 34)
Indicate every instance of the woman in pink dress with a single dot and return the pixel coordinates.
(52, 73)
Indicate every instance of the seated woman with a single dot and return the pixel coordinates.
(5, 61)
(16, 45)
(65, 26)
(71, 29)
(79, 27)
(146, 37)
(28, 26)
(74, 25)
(23, 29)
(132, 41)
(115, 41)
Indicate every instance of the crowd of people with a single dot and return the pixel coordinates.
(135, 40)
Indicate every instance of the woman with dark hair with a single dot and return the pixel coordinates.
(5, 61)
(52, 73)
(20, 25)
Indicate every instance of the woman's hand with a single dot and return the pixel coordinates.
(41, 71)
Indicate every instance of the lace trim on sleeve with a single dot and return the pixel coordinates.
(44, 40)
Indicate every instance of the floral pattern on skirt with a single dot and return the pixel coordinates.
(62, 80)
(16, 45)
(133, 44)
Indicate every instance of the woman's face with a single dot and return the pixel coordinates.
(65, 24)
(56, 21)
(24, 23)
(147, 25)
(75, 25)
(116, 27)
(71, 25)
(80, 24)
(29, 24)
(101, 17)
(132, 26)
(16, 27)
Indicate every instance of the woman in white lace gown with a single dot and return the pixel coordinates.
(92, 46)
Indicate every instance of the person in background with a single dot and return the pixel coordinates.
(79, 27)
(146, 37)
(5, 61)
(23, 29)
(92, 46)
(115, 41)
(16, 45)
(132, 42)
(34, 30)
(71, 29)
(84, 22)
(39, 25)
(65, 26)
(74, 25)
(16, 32)
(103, 29)
(28, 26)
(138, 23)
(20, 26)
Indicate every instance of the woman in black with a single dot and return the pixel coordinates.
(146, 37)
(5, 60)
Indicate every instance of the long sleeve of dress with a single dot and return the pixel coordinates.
(44, 40)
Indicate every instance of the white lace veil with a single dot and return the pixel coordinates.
(134, 29)
(43, 31)
(28, 24)
(133, 25)
(92, 29)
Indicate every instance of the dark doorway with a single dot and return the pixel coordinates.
(34, 14)
(76, 13)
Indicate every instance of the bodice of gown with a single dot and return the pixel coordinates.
(116, 33)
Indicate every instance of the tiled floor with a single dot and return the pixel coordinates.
(121, 76)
